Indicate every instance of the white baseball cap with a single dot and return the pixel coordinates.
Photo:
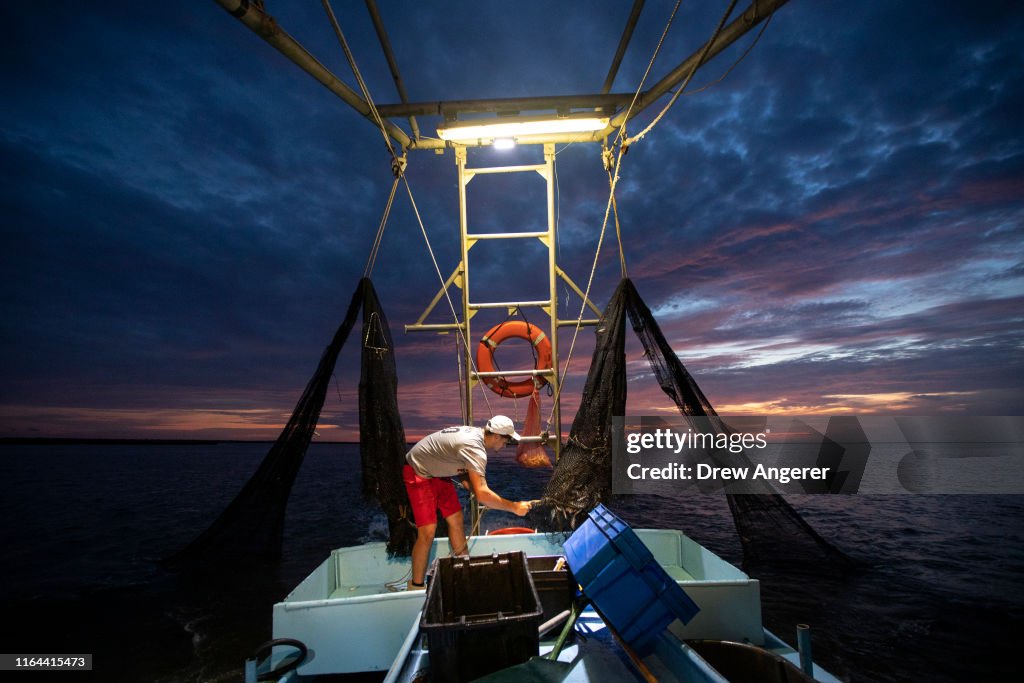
(499, 424)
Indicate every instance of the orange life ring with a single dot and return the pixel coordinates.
(509, 530)
(518, 329)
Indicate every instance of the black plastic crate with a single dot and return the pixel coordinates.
(556, 588)
(481, 615)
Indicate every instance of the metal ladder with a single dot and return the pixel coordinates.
(460, 277)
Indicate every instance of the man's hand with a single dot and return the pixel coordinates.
(521, 508)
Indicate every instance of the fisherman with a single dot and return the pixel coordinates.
(451, 452)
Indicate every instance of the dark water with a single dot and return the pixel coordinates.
(83, 526)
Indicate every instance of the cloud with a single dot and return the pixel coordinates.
(187, 213)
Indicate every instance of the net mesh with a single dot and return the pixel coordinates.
(582, 478)
(381, 435)
(532, 455)
(583, 474)
(251, 527)
(764, 520)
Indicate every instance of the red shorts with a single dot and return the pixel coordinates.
(427, 494)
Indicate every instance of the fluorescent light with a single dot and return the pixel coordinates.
(493, 129)
(504, 143)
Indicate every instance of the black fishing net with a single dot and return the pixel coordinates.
(251, 527)
(583, 475)
(381, 435)
(582, 478)
(764, 520)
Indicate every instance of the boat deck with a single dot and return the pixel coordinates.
(351, 621)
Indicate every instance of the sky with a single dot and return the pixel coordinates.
(834, 227)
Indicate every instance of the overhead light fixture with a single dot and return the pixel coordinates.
(504, 143)
(518, 128)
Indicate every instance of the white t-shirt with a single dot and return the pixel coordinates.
(449, 452)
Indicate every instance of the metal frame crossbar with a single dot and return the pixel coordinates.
(621, 106)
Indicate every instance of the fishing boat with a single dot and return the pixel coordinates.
(352, 614)
(343, 619)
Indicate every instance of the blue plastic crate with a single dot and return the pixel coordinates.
(621, 577)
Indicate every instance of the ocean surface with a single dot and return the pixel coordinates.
(83, 526)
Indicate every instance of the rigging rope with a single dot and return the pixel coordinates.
(700, 61)
(739, 59)
(613, 181)
(650, 65)
(398, 166)
(447, 296)
(398, 163)
(375, 249)
(613, 177)
(359, 78)
(618, 232)
(583, 305)
(458, 364)
(558, 215)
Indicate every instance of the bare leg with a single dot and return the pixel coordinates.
(421, 551)
(456, 533)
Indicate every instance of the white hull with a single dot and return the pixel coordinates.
(351, 622)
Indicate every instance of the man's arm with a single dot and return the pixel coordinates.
(490, 499)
